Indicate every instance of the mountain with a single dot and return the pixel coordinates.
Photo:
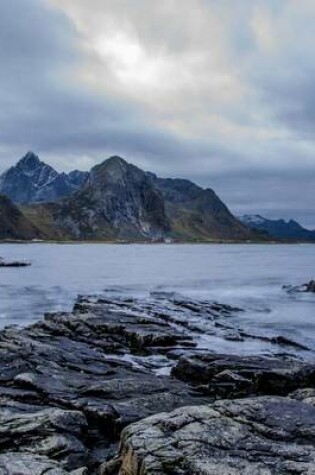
(197, 213)
(278, 228)
(13, 224)
(120, 201)
(32, 181)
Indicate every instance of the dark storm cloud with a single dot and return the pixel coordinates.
(219, 94)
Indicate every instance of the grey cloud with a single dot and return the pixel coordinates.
(253, 143)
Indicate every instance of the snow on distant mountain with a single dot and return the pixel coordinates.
(278, 228)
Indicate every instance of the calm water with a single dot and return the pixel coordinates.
(250, 276)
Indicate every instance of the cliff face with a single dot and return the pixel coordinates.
(13, 224)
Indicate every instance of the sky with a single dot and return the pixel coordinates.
(217, 91)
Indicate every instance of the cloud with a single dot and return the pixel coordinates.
(196, 88)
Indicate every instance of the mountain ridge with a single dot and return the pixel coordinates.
(200, 212)
(118, 201)
(33, 181)
(278, 228)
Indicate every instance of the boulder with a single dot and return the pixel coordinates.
(227, 376)
(258, 436)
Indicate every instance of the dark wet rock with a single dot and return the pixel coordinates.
(310, 287)
(258, 436)
(307, 287)
(234, 376)
(284, 341)
(5, 263)
(69, 384)
(305, 395)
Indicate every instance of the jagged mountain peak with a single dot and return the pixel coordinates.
(29, 160)
(31, 163)
(112, 162)
(116, 170)
(32, 180)
(116, 160)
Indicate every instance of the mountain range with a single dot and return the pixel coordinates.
(278, 228)
(117, 201)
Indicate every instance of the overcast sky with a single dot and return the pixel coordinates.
(218, 91)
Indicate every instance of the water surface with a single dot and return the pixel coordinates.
(249, 276)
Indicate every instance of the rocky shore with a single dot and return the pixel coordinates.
(137, 387)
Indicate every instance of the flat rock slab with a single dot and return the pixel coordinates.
(259, 436)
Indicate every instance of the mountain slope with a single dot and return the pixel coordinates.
(13, 224)
(32, 181)
(196, 213)
(278, 228)
(120, 201)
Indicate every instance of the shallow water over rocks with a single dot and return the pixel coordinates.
(246, 276)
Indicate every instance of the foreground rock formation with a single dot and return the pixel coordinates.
(260, 436)
(71, 383)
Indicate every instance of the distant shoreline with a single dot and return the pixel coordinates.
(12, 241)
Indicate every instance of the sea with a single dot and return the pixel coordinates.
(249, 276)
